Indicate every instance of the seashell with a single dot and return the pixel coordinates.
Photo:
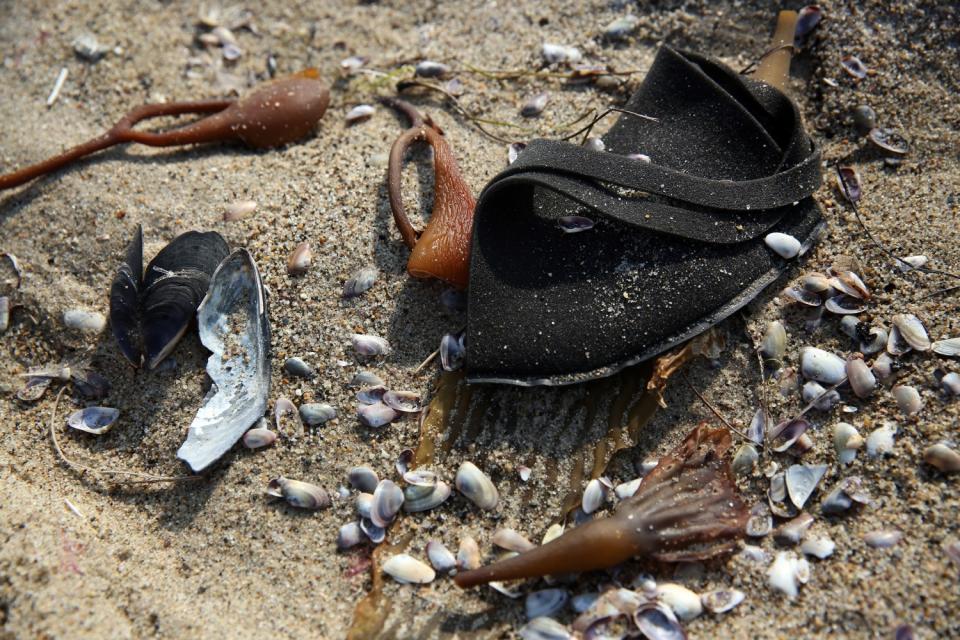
(534, 105)
(431, 69)
(861, 379)
(889, 140)
(363, 478)
(88, 47)
(234, 327)
(791, 532)
(583, 601)
(788, 382)
(821, 548)
(759, 525)
(302, 495)
(259, 437)
(85, 321)
(745, 459)
(595, 144)
(560, 54)
(511, 540)
(239, 210)
(843, 304)
(626, 489)
(848, 182)
(942, 457)
(854, 67)
(951, 383)
(402, 401)
(545, 602)
(553, 532)
(912, 331)
(96, 420)
(452, 352)
(317, 413)
(896, 344)
(376, 415)
(359, 113)
(369, 345)
(476, 486)
(774, 343)
(300, 259)
(575, 224)
(722, 600)
(366, 379)
(639, 157)
(883, 539)
(655, 621)
(786, 433)
(754, 553)
(846, 442)
(283, 407)
(816, 283)
(908, 399)
(420, 478)
(843, 495)
(822, 366)
(440, 557)
(777, 497)
(910, 263)
(802, 296)
(821, 399)
(880, 440)
(416, 500)
(850, 325)
(404, 459)
(544, 629)
(594, 495)
(949, 347)
(387, 500)
(807, 19)
(297, 367)
(620, 27)
(801, 480)
(359, 282)
(883, 367)
(686, 604)
(877, 341)
(784, 245)
(350, 535)
(864, 118)
(758, 426)
(373, 532)
(371, 395)
(468, 555)
(783, 574)
(406, 569)
(514, 151)
(524, 472)
(502, 587)
(365, 504)
(849, 283)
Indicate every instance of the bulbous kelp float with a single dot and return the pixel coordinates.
(274, 114)
(686, 509)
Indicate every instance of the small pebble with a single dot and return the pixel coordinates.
(86, 321)
(299, 368)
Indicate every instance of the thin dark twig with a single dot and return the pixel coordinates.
(813, 402)
(753, 65)
(474, 119)
(602, 115)
(713, 409)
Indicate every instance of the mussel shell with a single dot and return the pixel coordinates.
(125, 301)
(175, 282)
(96, 420)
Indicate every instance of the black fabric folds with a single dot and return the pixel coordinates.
(677, 244)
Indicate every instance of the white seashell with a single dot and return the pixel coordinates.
(896, 344)
(476, 486)
(366, 379)
(365, 505)
(420, 478)
(822, 400)
(784, 245)
(722, 600)
(849, 283)
(417, 501)
(468, 555)
(511, 540)
(368, 345)
(259, 437)
(545, 602)
(745, 459)
(912, 262)
(239, 210)
(299, 494)
(363, 478)
(594, 496)
(822, 366)
(553, 532)
(912, 331)
(783, 574)
(878, 340)
(949, 347)
(373, 532)
(791, 532)
(544, 629)
(512, 592)
(818, 547)
(86, 321)
(942, 457)
(620, 27)
(846, 441)
(358, 283)
(350, 535)
(95, 420)
(524, 472)
(376, 415)
(300, 259)
(883, 539)
(849, 326)
(595, 144)
(774, 343)
(558, 53)
(816, 283)
(440, 557)
(754, 553)
(861, 379)
(844, 304)
(883, 367)
(685, 603)
(317, 413)
(534, 105)
(359, 113)
(514, 151)
(625, 490)
(402, 401)
(387, 500)
(801, 480)
(951, 383)
(406, 569)
(908, 399)
(802, 296)
(880, 440)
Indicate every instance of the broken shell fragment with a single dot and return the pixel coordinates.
(843, 495)
(440, 557)
(575, 224)
(387, 500)
(877, 340)
(822, 366)
(302, 495)
(850, 283)
(854, 67)
(545, 603)
(406, 569)
(684, 603)
(359, 113)
(785, 573)
(861, 378)
(802, 296)
(801, 481)
(883, 367)
(949, 347)
(818, 547)
(774, 343)
(786, 433)
(942, 457)
(362, 280)
(889, 140)
(369, 345)
(476, 486)
(912, 331)
(745, 459)
(511, 540)
(316, 413)
(558, 53)
(259, 437)
(402, 401)
(86, 321)
(784, 245)
(791, 532)
(96, 420)
(883, 539)
(908, 399)
(846, 441)
(239, 210)
(350, 535)
(821, 399)
(880, 440)
(363, 478)
(376, 415)
(594, 495)
(300, 259)
(283, 407)
(758, 426)
(722, 600)
(371, 395)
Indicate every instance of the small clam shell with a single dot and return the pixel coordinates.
(861, 378)
(317, 413)
(801, 480)
(376, 415)
(951, 383)
(850, 283)
(387, 500)
(802, 296)
(896, 343)
(784, 245)
(371, 395)
(854, 67)
(406, 569)
(745, 459)
(365, 504)
(86, 321)
(404, 458)
(259, 437)
(545, 602)
(759, 525)
(785, 434)
(476, 486)
(524, 472)
(848, 183)
(864, 118)
(822, 400)
(297, 367)
(621, 27)
(949, 347)
(368, 345)
(300, 259)
(544, 629)
(366, 379)
(846, 441)
(594, 495)
(96, 420)
(843, 495)
(440, 557)
(774, 343)
(912, 331)
(850, 325)
(468, 555)
(626, 489)
(534, 105)
(359, 282)
(722, 600)
(575, 224)
(880, 440)
(452, 352)
(758, 426)
(302, 495)
(909, 263)
(883, 367)
(843, 304)
(883, 539)
(791, 532)
(816, 283)
(422, 478)
(373, 532)
(877, 342)
(239, 210)
(908, 399)
(363, 478)
(558, 53)
(654, 620)
(350, 535)
(822, 366)
(416, 501)
(942, 457)
(514, 151)
(783, 574)
(889, 140)
(359, 113)
(818, 547)
(402, 401)
(686, 604)
(431, 69)
(282, 408)
(511, 540)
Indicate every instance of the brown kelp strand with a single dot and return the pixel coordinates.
(274, 114)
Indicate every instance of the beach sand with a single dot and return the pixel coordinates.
(82, 557)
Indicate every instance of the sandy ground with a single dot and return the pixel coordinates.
(215, 558)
